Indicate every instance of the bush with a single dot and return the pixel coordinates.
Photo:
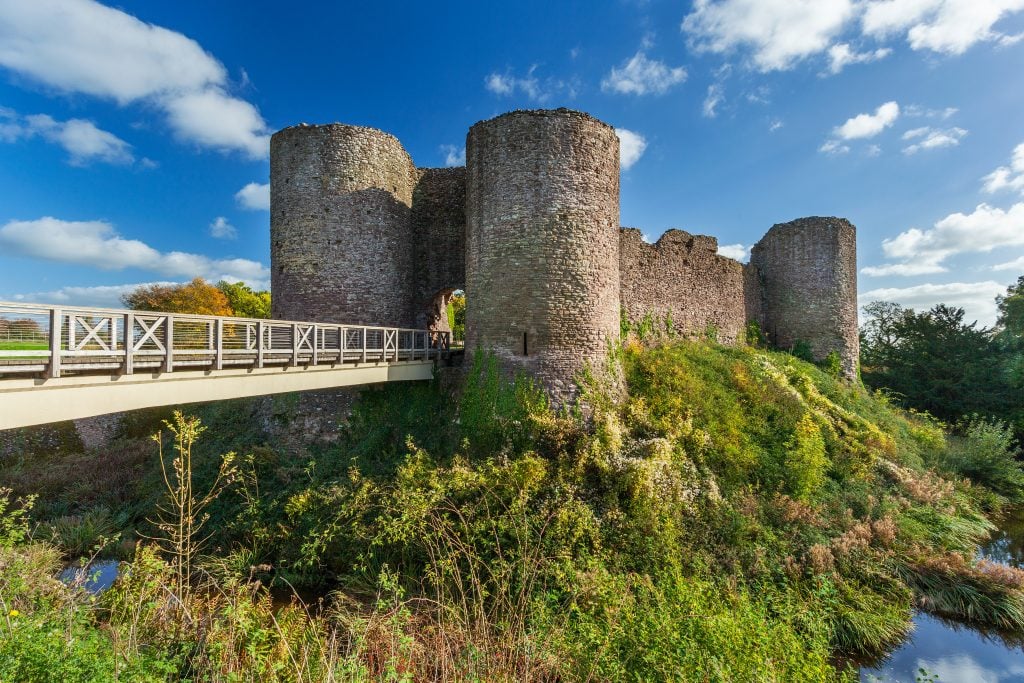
(986, 454)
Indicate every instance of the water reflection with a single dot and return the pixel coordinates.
(95, 578)
(949, 652)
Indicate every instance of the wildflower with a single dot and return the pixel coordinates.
(14, 613)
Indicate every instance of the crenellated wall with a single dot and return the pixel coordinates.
(682, 277)
(530, 230)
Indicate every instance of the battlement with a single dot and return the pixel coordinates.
(529, 228)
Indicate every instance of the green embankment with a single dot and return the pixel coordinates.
(720, 513)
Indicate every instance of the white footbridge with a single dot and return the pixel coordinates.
(65, 363)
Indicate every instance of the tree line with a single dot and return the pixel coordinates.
(937, 362)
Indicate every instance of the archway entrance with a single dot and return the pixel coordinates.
(447, 313)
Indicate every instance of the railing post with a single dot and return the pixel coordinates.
(364, 344)
(56, 322)
(219, 341)
(316, 328)
(129, 343)
(261, 328)
(169, 344)
(295, 344)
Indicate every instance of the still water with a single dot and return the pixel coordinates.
(952, 653)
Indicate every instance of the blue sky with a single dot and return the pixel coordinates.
(134, 138)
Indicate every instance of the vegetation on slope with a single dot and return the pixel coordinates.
(718, 514)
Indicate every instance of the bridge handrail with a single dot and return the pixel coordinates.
(121, 340)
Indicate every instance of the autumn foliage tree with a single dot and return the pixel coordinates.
(198, 296)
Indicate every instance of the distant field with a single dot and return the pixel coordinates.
(23, 346)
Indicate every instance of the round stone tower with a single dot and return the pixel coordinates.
(340, 233)
(542, 242)
(808, 275)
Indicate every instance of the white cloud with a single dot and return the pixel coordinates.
(932, 138)
(842, 55)
(917, 111)
(101, 296)
(454, 156)
(834, 147)
(641, 75)
(1016, 264)
(81, 139)
(97, 244)
(780, 33)
(631, 147)
(869, 125)
(976, 298)
(254, 196)
(211, 118)
(1007, 177)
(82, 46)
(775, 125)
(221, 229)
(946, 26)
(716, 93)
(924, 251)
(530, 86)
(873, 150)
(734, 251)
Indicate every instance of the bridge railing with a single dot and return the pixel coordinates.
(56, 340)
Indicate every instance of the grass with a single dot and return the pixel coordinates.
(734, 514)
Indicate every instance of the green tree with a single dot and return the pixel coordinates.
(457, 315)
(244, 301)
(1010, 337)
(935, 361)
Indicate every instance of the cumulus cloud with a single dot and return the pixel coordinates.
(842, 55)
(976, 298)
(944, 26)
(932, 138)
(780, 34)
(81, 139)
(98, 244)
(631, 147)
(734, 251)
(861, 127)
(1007, 177)
(714, 97)
(221, 229)
(925, 251)
(254, 197)
(641, 75)
(869, 125)
(82, 46)
(454, 156)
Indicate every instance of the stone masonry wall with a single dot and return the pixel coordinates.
(439, 238)
(682, 276)
(341, 240)
(542, 256)
(530, 229)
(808, 271)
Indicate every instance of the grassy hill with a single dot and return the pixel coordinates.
(715, 514)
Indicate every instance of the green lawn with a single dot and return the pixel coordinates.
(23, 346)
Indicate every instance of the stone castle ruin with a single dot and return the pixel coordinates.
(529, 228)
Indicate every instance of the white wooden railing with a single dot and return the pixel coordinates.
(51, 341)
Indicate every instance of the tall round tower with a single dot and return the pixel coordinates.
(808, 275)
(542, 242)
(340, 234)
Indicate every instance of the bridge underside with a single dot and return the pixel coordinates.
(26, 402)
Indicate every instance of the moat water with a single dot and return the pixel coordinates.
(949, 652)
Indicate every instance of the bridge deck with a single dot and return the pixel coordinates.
(65, 363)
